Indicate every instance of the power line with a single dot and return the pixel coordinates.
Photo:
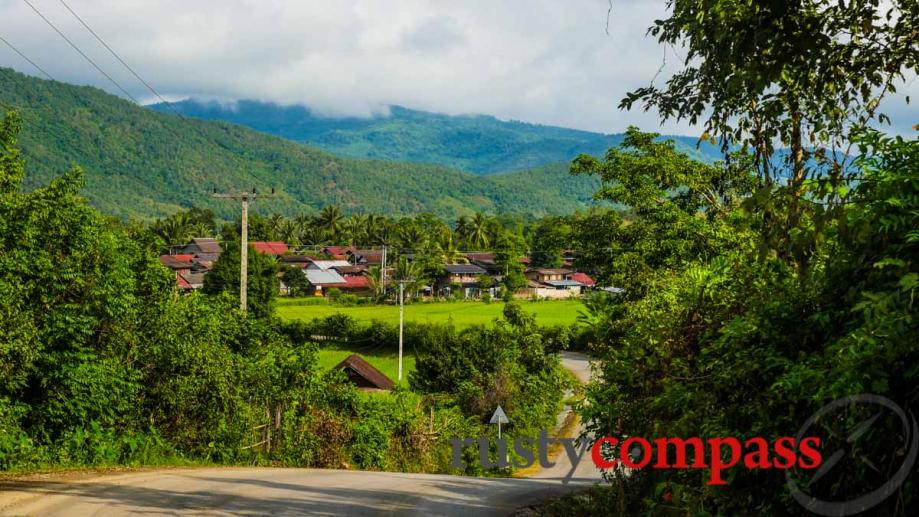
(23, 56)
(75, 47)
(118, 57)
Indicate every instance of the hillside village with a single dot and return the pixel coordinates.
(325, 284)
(347, 269)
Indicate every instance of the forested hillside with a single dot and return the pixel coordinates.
(140, 163)
(476, 143)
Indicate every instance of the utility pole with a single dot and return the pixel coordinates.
(243, 198)
(401, 318)
(383, 271)
(402, 282)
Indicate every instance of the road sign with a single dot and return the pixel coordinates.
(499, 418)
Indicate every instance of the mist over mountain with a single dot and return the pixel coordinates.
(480, 144)
(144, 164)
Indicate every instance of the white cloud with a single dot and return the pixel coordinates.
(541, 61)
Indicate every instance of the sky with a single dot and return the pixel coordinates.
(541, 61)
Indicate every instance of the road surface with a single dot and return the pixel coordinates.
(277, 491)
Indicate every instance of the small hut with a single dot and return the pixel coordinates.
(363, 374)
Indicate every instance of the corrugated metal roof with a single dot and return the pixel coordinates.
(357, 365)
(464, 269)
(356, 282)
(270, 248)
(563, 283)
(327, 264)
(551, 271)
(582, 278)
(206, 244)
(323, 277)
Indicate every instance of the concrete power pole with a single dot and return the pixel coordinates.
(243, 198)
(401, 318)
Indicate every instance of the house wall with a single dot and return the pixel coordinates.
(462, 279)
(544, 278)
(548, 292)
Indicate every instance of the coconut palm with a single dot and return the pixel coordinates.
(479, 231)
(276, 224)
(330, 221)
(355, 229)
(462, 228)
(447, 250)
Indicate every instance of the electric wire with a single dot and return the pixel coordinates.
(23, 56)
(118, 57)
(79, 51)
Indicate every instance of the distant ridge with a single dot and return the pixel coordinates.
(143, 164)
(480, 144)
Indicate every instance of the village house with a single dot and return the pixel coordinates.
(323, 279)
(203, 248)
(466, 276)
(273, 248)
(297, 261)
(189, 270)
(338, 252)
(327, 264)
(365, 257)
(556, 283)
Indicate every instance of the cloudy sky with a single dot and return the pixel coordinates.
(542, 61)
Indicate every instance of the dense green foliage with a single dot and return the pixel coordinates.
(145, 164)
(470, 370)
(103, 362)
(751, 302)
(262, 278)
(720, 340)
(473, 143)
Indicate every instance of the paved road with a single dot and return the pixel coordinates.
(578, 364)
(257, 491)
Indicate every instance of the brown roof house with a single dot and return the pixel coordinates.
(363, 374)
(203, 248)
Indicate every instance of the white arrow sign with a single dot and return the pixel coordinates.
(499, 418)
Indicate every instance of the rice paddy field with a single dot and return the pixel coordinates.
(462, 314)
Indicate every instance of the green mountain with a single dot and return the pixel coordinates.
(142, 163)
(474, 143)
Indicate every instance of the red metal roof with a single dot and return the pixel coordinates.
(270, 248)
(338, 252)
(356, 282)
(582, 278)
(181, 283)
(184, 261)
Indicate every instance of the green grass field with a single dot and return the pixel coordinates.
(387, 361)
(463, 314)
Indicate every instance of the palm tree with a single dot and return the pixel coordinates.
(276, 224)
(175, 229)
(410, 274)
(479, 231)
(411, 236)
(462, 228)
(330, 220)
(289, 232)
(447, 250)
(356, 229)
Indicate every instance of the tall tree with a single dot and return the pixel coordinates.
(330, 221)
(820, 70)
(262, 286)
(479, 231)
